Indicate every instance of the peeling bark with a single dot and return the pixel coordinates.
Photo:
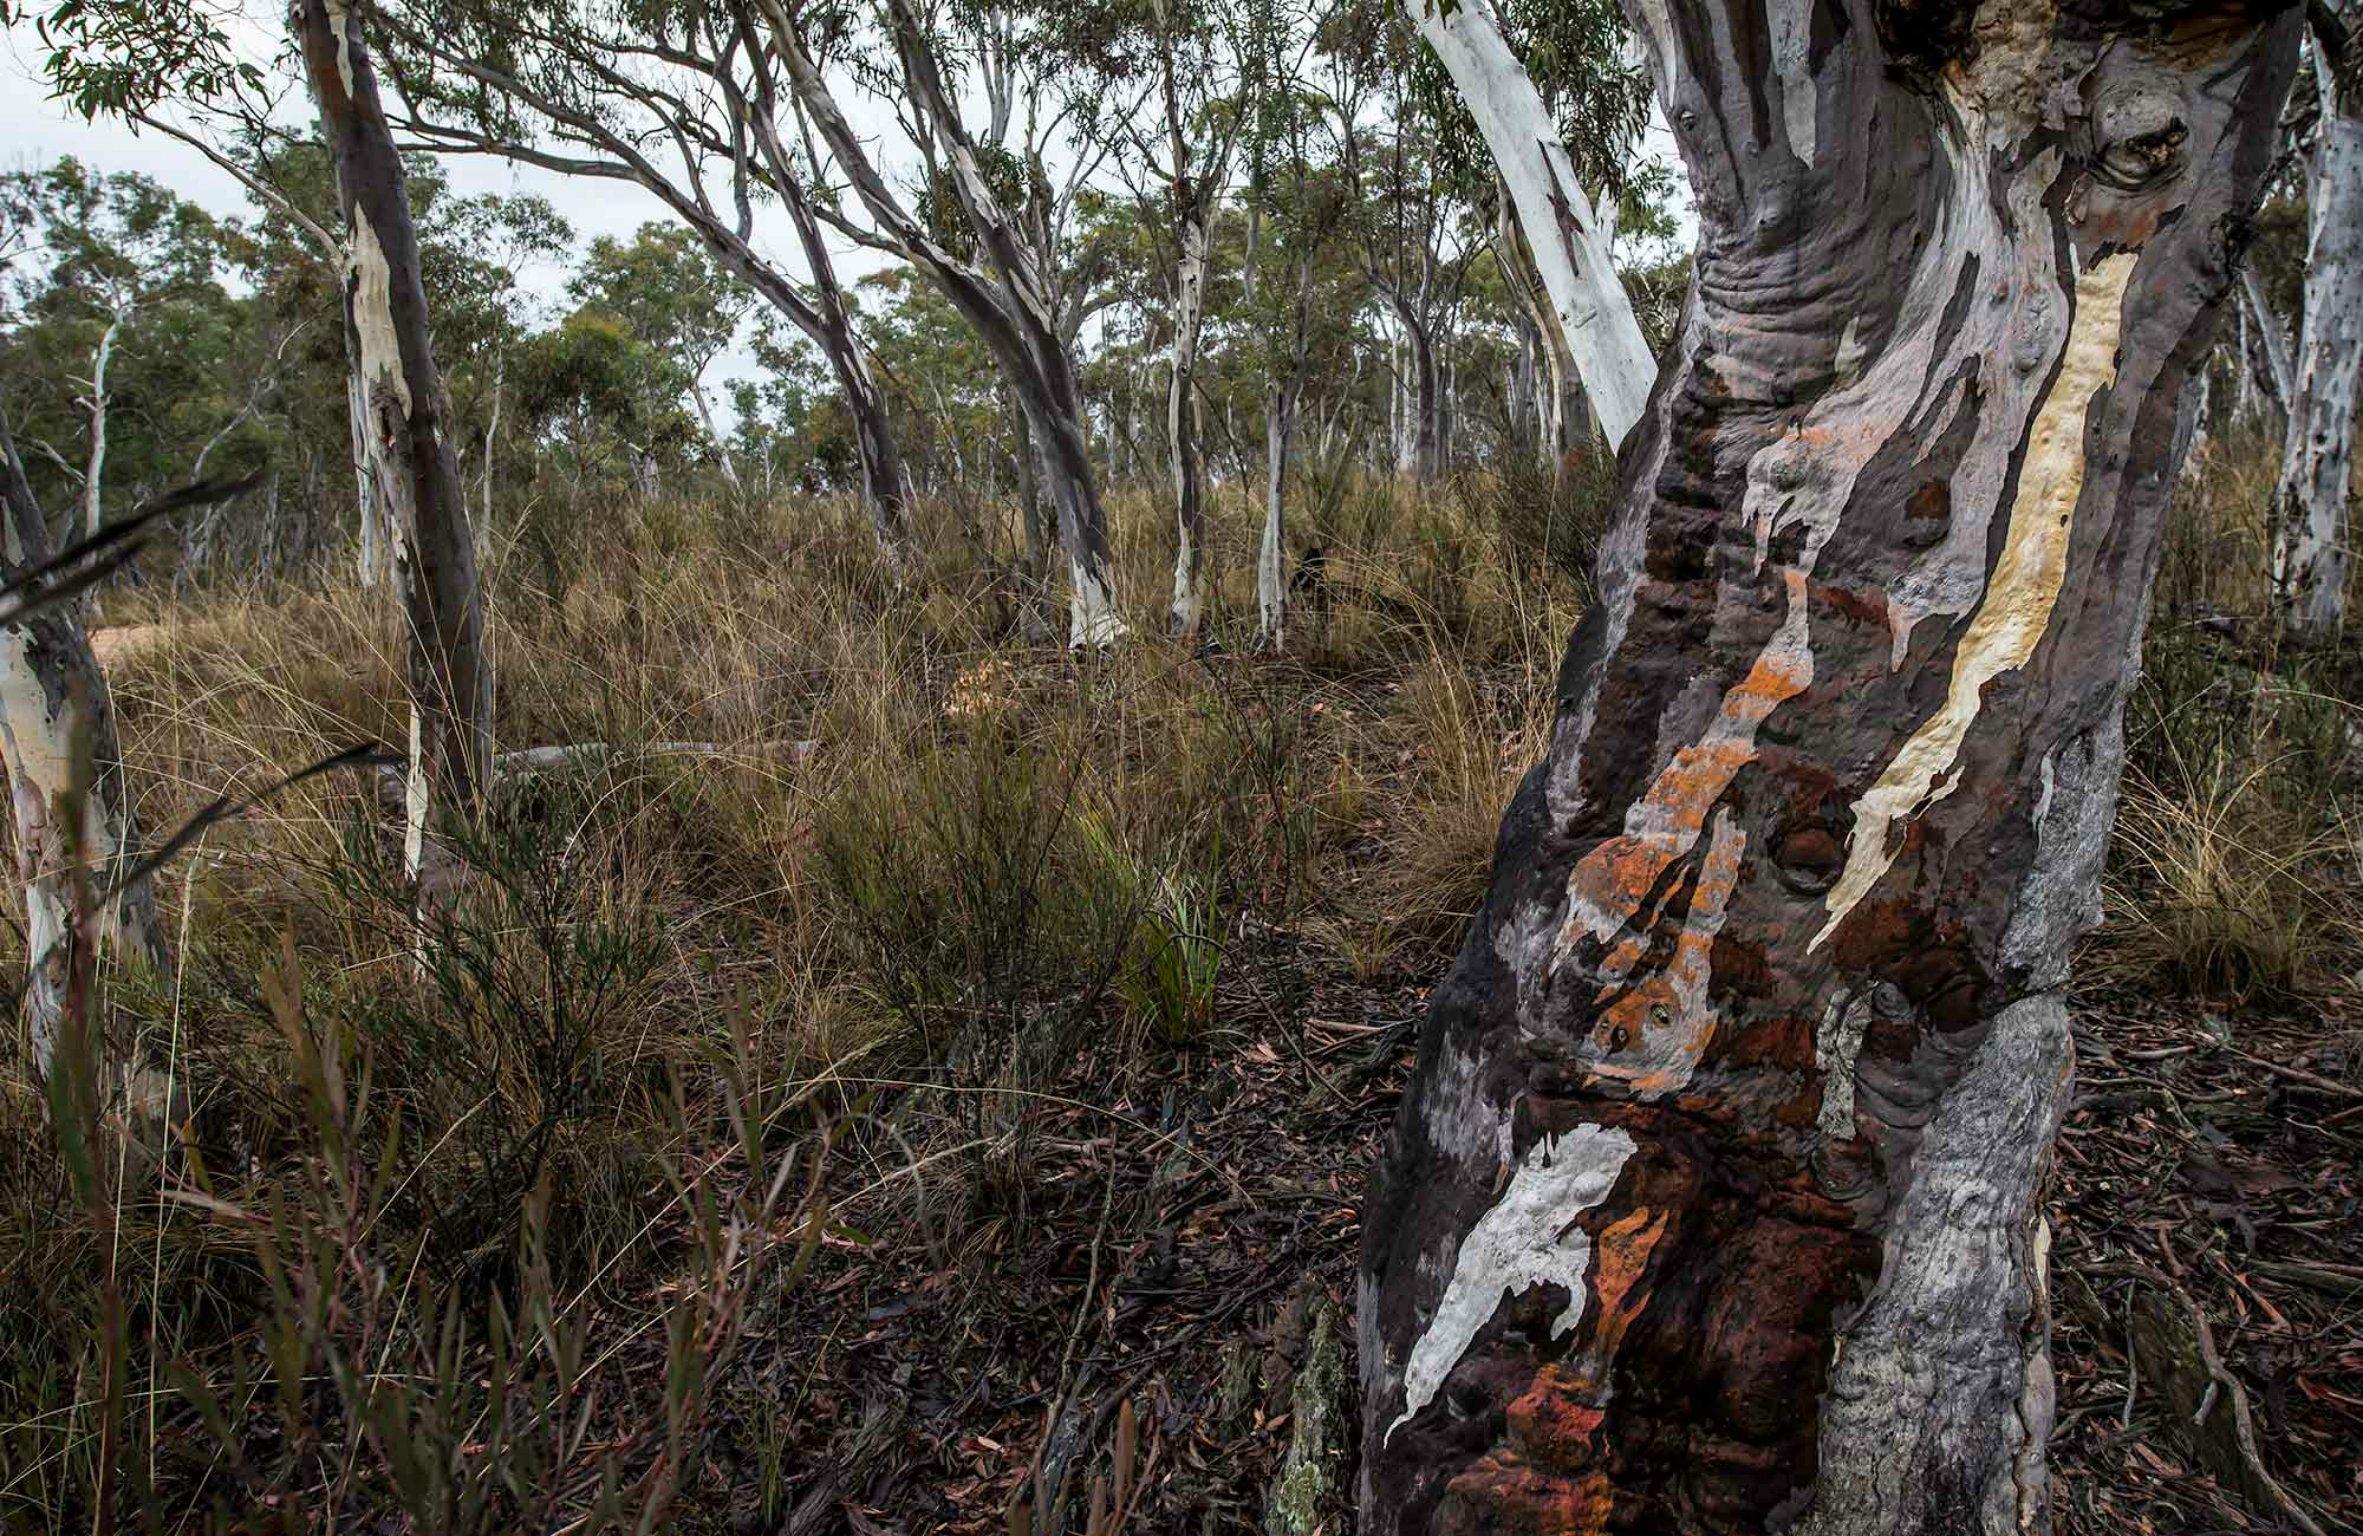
(1593, 313)
(406, 442)
(2310, 548)
(58, 737)
(1787, 908)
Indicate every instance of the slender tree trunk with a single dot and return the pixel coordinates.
(1008, 304)
(1594, 314)
(407, 443)
(500, 380)
(1181, 424)
(58, 736)
(886, 485)
(94, 471)
(1192, 198)
(1713, 1203)
(2272, 342)
(723, 457)
(1427, 405)
(2310, 548)
(1271, 559)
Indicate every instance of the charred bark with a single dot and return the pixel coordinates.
(406, 442)
(1713, 1203)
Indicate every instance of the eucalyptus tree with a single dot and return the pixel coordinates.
(73, 811)
(1713, 1202)
(1409, 223)
(683, 98)
(1298, 192)
(673, 299)
(985, 230)
(1197, 60)
(1572, 50)
(408, 446)
(106, 261)
(2311, 542)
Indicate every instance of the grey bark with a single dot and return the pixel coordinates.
(407, 443)
(2311, 545)
(1006, 299)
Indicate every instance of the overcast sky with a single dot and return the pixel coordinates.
(36, 129)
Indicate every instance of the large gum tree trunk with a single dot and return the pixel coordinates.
(2318, 453)
(406, 440)
(1713, 1203)
(1593, 313)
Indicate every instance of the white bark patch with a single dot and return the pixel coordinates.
(1836, 1045)
(1848, 364)
(1792, 62)
(1092, 620)
(44, 737)
(1528, 1238)
(1188, 598)
(2019, 598)
(373, 314)
(414, 798)
(46, 915)
(1461, 1123)
(340, 26)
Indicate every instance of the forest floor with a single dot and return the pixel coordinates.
(1175, 1247)
(971, 1114)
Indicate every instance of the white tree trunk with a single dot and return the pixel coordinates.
(722, 453)
(57, 733)
(1594, 313)
(94, 473)
(2318, 455)
(1181, 429)
(1271, 559)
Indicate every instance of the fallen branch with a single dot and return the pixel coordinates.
(525, 762)
(2301, 1076)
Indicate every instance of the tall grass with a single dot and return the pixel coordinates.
(463, 1229)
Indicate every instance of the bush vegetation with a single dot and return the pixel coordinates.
(422, 1211)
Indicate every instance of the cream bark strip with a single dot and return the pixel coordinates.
(2019, 599)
